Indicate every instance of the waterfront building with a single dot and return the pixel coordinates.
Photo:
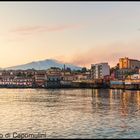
(126, 63)
(15, 78)
(6, 77)
(22, 82)
(53, 70)
(39, 78)
(81, 77)
(125, 68)
(16, 82)
(4, 74)
(117, 84)
(135, 76)
(98, 71)
(53, 78)
(68, 77)
(132, 84)
(124, 73)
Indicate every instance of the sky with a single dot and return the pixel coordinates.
(81, 33)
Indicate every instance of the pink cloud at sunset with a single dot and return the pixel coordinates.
(106, 53)
(26, 30)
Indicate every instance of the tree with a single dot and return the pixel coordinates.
(30, 75)
(84, 69)
(76, 71)
(20, 74)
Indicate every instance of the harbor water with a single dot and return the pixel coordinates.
(70, 113)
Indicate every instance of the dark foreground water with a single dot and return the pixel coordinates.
(77, 113)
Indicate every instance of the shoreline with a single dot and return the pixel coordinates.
(67, 88)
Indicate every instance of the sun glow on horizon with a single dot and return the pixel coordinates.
(72, 32)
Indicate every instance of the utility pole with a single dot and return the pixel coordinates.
(64, 69)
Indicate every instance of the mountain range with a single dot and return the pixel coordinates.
(43, 65)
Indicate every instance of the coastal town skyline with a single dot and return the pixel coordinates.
(81, 33)
(69, 70)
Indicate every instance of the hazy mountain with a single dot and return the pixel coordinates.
(45, 64)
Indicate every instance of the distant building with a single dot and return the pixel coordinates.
(16, 82)
(135, 76)
(39, 78)
(53, 78)
(123, 73)
(127, 67)
(126, 63)
(68, 76)
(98, 71)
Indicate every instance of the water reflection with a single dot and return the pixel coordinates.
(126, 101)
(71, 113)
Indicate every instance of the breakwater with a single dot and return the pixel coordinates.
(133, 85)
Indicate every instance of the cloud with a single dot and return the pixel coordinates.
(107, 53)
(27, 30)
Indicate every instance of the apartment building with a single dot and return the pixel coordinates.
(126, 63)
(98, 71)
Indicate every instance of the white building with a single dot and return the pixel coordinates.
(135, 76)
(98, 71)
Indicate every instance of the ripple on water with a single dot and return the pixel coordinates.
(71, 113)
